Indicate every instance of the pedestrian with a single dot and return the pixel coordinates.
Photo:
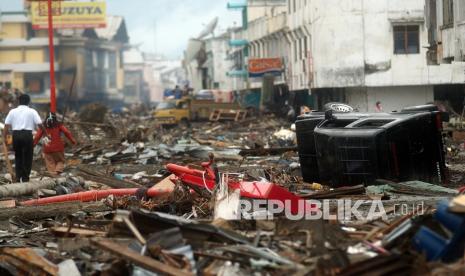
(177, 92)
(22, 120)
(378, 107)
(305, 110)
(53, 152)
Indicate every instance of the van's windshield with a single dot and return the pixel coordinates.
(166, 105)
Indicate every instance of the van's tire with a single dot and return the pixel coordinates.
(338, 107)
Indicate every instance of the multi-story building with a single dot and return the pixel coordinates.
(139, 81)
(90, 57)
(24, 58)
(365, 51)
(166, 73)
(218, 63)
(96, 56)
(208, 61)
(446, 20)
(299, 38)
(260, 36)
(361, 52)
(446, 26)
(267, 39)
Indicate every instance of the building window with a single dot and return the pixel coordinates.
(34, 83)
(407, 39)
(461, 9)
(112, 69)
(306, 47)
(296, 57)
(30, 31)
(121, 59)
(89, 69)
(447, 13)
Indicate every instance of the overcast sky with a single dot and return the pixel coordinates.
(176, 20)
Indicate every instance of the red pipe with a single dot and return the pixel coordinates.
(93, 196)
(181, 170)
(462, 190)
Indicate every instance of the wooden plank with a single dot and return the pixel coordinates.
(66, 231)
(8, 203)
(28, 188)
(99, 177)
(29, 261)
(134, 257)
(109, 181)
(89, 124)
(52, 210)
(7, 160)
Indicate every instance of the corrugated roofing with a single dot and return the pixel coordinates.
(113, 25)
(133, 56)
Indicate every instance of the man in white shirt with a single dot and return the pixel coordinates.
(23, 120)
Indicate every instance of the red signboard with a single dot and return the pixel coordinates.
(258, 67)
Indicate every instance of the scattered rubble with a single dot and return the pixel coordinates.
(139, 199)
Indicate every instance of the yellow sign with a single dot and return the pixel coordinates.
(70, 15)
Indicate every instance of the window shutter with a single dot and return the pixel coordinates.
(461, 10)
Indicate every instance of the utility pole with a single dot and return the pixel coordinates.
(51, 49)
(155, 37)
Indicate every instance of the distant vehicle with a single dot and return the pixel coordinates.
(204, 95)
(188, 109)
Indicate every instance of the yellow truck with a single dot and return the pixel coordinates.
(188, 109)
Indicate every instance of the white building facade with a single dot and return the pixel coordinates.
(267, 39)
(218, 63)
(397, 52)
(166, 74)
(365, 51)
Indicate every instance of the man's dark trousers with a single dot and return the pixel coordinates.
(24, 151)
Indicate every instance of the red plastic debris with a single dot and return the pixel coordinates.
(254, 190)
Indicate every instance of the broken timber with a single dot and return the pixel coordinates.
(142, 261)
(19, 189)
(98, 177)
(52, 210)
(7, 159)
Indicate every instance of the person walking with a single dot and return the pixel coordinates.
(54, 151)
(22, 120)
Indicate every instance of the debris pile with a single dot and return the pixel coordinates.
(140, 199)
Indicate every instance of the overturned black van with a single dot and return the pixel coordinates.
(343, 149)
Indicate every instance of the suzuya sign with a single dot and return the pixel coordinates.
(258, 67)
(69, 15)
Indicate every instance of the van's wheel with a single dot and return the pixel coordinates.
(338, 107)
(184, 123)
